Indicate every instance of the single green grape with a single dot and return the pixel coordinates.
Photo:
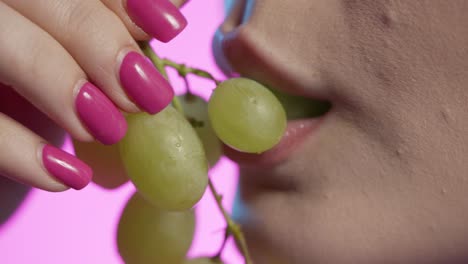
(146, 234)
(246, 115)
(196, 111)
(205, 260)
(297, 107)
(164, 158)
(108, 169)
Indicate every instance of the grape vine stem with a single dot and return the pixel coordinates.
(233, 229)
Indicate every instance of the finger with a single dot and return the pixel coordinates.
(102, 46)
(22, 111)
(160, 19)
(12, 195)
(46, 75)
(25, 158)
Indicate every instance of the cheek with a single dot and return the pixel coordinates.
(396, 52)
(360, 200)
(386, 179)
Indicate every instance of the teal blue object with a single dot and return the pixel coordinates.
(240, 211)
(228, 5)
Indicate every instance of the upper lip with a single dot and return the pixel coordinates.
(240, 52)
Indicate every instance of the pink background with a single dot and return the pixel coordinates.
(77, 227)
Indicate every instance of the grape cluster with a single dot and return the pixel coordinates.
(167, 157)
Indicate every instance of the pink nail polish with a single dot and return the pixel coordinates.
(159, 18)
(144, 84)
(100, 115)
(66, 168)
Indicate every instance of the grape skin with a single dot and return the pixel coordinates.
(146, 234)
(246, 115)
(165, 159)
(108, 169)
(195, 108)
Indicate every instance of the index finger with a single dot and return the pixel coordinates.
(144, 19)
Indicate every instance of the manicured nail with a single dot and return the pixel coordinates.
(66, 168)
(102, 118)
(159, 18)
(144, 84)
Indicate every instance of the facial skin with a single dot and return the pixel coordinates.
(385, 177)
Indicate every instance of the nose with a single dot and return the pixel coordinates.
(237, 15)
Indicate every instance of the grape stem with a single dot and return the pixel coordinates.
(182, 69)
(233, 229)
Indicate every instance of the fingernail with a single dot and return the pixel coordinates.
(159, 18)
(66, 168)
(102, 118)
(144, 84)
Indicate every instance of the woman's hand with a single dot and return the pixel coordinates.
(77, 61)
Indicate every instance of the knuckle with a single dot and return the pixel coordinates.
(79, 18)
(101, 28)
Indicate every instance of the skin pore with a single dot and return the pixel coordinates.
(384, 178)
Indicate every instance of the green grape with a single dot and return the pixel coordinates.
(300, 107)
(108, 169)
(246, 115)
(165, 159)
(196, 111)
(205, 260)
(146, 234)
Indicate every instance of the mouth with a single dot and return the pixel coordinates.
(304, 116)
(245, 53)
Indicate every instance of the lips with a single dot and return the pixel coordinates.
(304, 118)
(240, 53)
(296, 132)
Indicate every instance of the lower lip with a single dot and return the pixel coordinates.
(296, 132)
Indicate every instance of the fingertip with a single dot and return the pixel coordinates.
(159, 18)
(99, 114)
(54, 186)
(28, 159)
(65, 167)
(125, 104)
(143, 82)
